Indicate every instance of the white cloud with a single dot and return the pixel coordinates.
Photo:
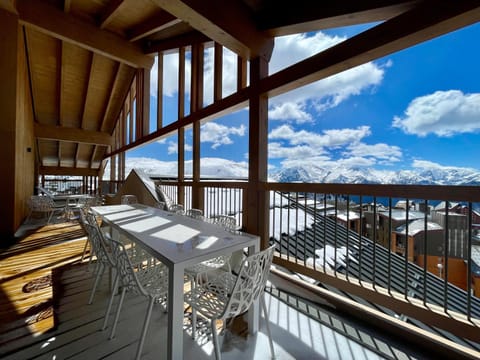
(430, 165)
(323, 94)
(328, 138)
(217, 134)
(443, 113)
(290, 111)
(170, 75)
(331, 148)
(173, 147)
(379, 151)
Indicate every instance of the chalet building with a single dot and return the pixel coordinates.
(423, 244)
(385, 224)
(350, 220)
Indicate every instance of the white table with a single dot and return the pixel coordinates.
(178, 242)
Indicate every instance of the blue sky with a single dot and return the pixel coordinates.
(417, 108)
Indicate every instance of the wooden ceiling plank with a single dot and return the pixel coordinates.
(415, 26)
(112, 91)
(309, 15)
(72, 134)
(86, 95)
(229, 23)
(77, 154)
(158, 23)
(61, 84)
(58, 24)
(55, 170)
(108, 15)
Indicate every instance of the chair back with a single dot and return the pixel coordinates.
(129, 199)
(98, 244)
(125, 271)
(195, 213)
(250, 282)
(227, 222)
(40, 203)
(177, 209)
(160, 205)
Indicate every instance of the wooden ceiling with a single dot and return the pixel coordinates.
(83, 54)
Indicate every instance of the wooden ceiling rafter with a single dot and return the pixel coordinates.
(157, 23)
(214, 19)
(408, 29)
(307, 16)
(59, 133)
(113, 8)
(66, 27)
(66, 171)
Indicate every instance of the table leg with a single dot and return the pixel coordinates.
(175, 313)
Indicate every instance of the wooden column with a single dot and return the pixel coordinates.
(196, 104)
(181, 130)
(160, 91)
(143, 103)
(256, 221)
(16, 128)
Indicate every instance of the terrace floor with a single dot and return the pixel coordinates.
(43, 306)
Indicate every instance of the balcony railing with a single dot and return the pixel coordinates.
(343, 237)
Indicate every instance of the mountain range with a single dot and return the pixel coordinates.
(360, 175)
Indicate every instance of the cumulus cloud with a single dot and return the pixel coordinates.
(218, 134)
(379, 151)
(170, 75)
(328, 138)
(323, 94)
(330, 148)
(443, 113)
(173, 147)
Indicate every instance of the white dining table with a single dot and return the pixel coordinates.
(179, 242)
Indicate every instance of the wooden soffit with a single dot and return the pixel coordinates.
(66, 171)
(50, 20)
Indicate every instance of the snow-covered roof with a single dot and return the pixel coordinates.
(417, 226)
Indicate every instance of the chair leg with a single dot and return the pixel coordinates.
(97, 280)
(85, 250)
(117, 315)
(110, 302)
(145, 328)
(216, 346)
(267, 325)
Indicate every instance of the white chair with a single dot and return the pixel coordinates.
(228, 295)
(194, 214)
(160, 205)
(76, 205)
(44, 205)
(129, 199)
(177, 209)
(227, 222)
(149, 280)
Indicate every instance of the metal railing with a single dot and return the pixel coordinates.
(404, 249)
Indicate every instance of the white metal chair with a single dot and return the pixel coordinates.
(228, 295)
(177, 209)
(227, 222)
(44, 205)
(129, 199)
(149, 280)
(160, 205)
(195, 213)
(76, 205)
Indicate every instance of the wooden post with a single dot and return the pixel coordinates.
(195, 105)
(257, 199)
(181, 130)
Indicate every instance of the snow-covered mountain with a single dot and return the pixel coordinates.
(359, 175)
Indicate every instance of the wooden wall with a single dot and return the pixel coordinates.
(16, 128)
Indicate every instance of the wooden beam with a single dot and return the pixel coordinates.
(73, 135)
(157, 23)
(160, 90)
(229, 23)
(423, 23)
(55, 170)
(111, 10)
(309, 15)
(218, 72)
(190, 38)
(225, 106)
(48, 19)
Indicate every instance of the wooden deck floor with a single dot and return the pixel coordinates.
(44, 315)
